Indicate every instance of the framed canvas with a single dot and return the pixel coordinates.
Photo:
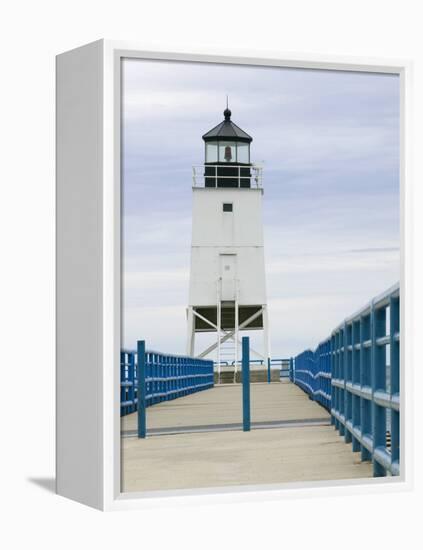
(233, 276)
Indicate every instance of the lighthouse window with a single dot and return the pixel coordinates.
(227, 207)
(227, 151)
(243, 153)
(211, 152)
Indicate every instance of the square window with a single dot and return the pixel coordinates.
(227, 207)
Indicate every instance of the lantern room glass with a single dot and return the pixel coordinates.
(211, 152)
(227, 151)
(243, 153)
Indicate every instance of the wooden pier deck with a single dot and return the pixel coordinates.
(212, 451)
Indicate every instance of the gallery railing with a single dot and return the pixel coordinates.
(166, 377)
(221, 175)
(364, 397)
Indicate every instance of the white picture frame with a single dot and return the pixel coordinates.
(88, 277)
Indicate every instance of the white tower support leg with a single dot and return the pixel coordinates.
(266, 342)
(190, 332)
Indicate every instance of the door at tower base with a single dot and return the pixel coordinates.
(228, 280)
(228, 317)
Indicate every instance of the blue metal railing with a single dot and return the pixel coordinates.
(166, 377)
(273, 361)
(360, 362)
(283, 363)
(312, 373)
(291, 369)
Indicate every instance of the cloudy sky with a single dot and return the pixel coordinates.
(329, 143)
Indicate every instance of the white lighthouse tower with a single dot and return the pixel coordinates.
(227, 291)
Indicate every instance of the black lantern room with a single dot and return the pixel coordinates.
(227, 162)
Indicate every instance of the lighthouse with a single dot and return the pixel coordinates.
(227, 291)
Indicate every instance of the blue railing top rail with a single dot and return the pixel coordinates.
(162, 354)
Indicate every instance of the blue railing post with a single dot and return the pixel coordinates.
(378, 381)
(246, 420)
(268, 371)
(332, 373)
(395, 378)
(122, 385)
(131, 376)
(342, 344)
(365, 382)
(355, 379)
(142, 428)
(347, 378)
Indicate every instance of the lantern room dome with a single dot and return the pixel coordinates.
(227, 130)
